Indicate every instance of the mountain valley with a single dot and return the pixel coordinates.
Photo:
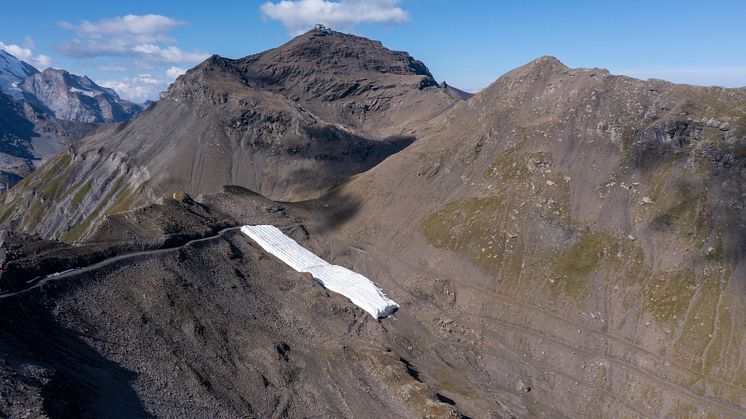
(563, 243)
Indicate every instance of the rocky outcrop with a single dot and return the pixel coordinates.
(74, 98)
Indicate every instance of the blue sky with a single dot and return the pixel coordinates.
(467, 43)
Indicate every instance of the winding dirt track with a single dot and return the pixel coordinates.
(38, 282)
(420, 266)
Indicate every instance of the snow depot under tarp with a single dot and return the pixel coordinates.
(359, 289)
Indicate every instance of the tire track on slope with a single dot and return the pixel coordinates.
(529, 307)
(34, 284)
(584, 328)
(516, 356)
(620, 362)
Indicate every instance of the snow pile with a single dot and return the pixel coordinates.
(359, 289)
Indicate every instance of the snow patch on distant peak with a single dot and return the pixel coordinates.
(12, 72)
(88, 93)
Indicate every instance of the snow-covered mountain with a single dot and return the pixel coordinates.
(12, 73)
(42, 113)
(61, 94)
(74, 98)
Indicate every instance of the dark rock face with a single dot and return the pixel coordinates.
(14, 128)
(74, 98)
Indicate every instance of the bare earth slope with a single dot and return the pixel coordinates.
(289, 123)
(565, 243)
(210, 327)
(589, 230)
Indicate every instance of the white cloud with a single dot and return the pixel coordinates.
(148, 78)
(147, 27)
(140, 46)
(169, 55)
(175, 72)
(144, 37)
(145, 85)
(139, 88)
(40, 61)
(300, 15)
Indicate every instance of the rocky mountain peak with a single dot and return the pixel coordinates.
(12, 72)
(318, 53)
(289, 123)
(75, 98)
(322, 53)
(547, 61)
(343, 52)
(542, 67)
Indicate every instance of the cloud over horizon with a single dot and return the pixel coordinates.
(147, 53)
(26, 54)
(141, 87)
(143, 37)
(300, 15)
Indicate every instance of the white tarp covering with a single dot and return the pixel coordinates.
(359, 289)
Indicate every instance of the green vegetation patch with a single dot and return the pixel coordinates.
(716, 255)
(78, 232)
(80, 194)
(699, 328)
(51, 182)
(668, 295)
(572, 268)
(710, 102)
(470, 226)
(8, 208)
(719, 350)
(681, 207)
(123, 201)
(513, 164)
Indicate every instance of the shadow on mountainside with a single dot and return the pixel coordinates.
(332, 210)
(72, 378)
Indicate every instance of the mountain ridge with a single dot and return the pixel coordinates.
(75, 98)
(574, 204)
(564, 243)
(51, 109)
(223, 123)
(13, 72)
